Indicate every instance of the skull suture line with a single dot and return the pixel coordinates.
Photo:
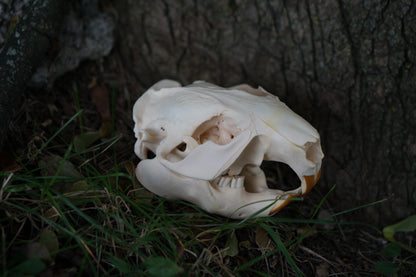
(210, 141)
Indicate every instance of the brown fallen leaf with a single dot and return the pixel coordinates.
(93, 83)
(263, 240)
(51, 214)
(36, 250)
(245, 244)
(83, 141)
(231, 246)
(322, 270)
(8, 163)
(49, 239)
(52, 163)
(130, 168)
(307, 231)
(100, 98)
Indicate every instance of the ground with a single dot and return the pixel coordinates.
(66, 211)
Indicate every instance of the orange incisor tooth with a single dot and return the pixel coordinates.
(311, 181)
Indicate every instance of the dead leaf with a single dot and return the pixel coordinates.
(231, 246)
(245, 244)
(36, 250)
(100, 98)
(78, 188)
(263, 240)
(51, 214)
(50, 241)
(130, 168)
(106, 129)
(51, 163)
(307, 231)
(322, 270)
(406, 225)
(93, 82)
(8, 163)
(53, 109)
(46, 123)
(83, 141)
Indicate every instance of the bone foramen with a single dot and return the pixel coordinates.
(210, 141)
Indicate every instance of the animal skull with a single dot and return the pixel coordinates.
(210, 141)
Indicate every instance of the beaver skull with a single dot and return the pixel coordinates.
(209, 143)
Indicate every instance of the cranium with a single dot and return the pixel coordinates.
(209, 143)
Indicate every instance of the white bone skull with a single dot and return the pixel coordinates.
(209, 143)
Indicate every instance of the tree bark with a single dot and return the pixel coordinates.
(348, 67)
(23, 52)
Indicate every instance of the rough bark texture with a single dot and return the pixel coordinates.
(346, 66)
(23, 52)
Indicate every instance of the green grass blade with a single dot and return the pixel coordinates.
(357, 208)
(322, 201)
(275, 237)
(257, 259)
(56, 133)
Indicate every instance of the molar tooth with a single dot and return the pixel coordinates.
(221, 182)
(233, 183)
(237, 182)
(227, 180)
(224, 181)
(240, 182)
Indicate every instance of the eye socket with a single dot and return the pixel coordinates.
(219, 129)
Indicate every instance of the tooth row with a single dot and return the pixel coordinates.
(231, 181)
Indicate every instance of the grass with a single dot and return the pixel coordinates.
(110, 225)
(63, 212)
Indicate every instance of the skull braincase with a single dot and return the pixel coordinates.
(210, 141)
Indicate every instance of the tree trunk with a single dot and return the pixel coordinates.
(24, 51)
(348, 67)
